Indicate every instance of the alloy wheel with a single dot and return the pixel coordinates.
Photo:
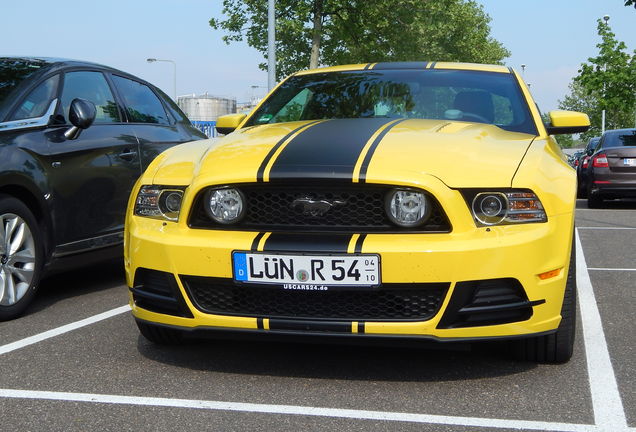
(17, 258)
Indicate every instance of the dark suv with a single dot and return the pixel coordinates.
(612, 167)
(74, 138)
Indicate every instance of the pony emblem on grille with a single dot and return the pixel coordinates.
(314, 208)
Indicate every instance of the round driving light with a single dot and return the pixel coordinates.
(225, 206)
(173, 201)
(407, 208)
(490, 208)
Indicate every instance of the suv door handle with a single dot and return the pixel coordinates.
(127, 155)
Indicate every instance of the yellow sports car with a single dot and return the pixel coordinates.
(418, 200)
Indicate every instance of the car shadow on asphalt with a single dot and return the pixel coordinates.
(340, 362)
(621, 204)
(77, 282)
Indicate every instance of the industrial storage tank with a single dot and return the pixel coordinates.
(203, 110)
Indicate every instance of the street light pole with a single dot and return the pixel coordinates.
(606, 19)
(271, 44)
(174, 64)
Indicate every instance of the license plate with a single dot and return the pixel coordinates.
(629, 162)
(312, 272)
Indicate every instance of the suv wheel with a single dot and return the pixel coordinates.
(21, 256)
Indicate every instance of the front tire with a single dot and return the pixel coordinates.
(556, 347)
(21, 257)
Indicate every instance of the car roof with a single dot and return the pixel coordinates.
(53, 63)
(621, 131)
(410, 65)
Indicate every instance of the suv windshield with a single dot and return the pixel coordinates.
(13, 71)
(483, 97)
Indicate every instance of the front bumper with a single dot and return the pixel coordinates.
(461, 260)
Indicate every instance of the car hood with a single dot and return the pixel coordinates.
(460, 154)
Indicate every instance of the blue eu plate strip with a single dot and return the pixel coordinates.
(240, 266)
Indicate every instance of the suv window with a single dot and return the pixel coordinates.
(91, 86)
(14, 71)
(38, 101)
(142, 105)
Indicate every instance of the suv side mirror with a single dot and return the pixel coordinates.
(228, 123)
(81, 115)
(567, 122)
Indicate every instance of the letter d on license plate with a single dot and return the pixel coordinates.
(318, 270)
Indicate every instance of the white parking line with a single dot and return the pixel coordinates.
(609, 269)
(61, 330)
(606, 400)
(301, 411)
(605, 228)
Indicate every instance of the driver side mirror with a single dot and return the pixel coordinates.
(81, 115)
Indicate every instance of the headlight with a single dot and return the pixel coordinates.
(505, 207)
(225, 206)
(159, 202)
(407, 208)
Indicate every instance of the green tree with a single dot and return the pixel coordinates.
(630, 3)
(329, 32)
(580, 100)
(610, 78)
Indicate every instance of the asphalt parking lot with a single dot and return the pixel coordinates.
(76, 362)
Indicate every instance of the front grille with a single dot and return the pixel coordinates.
(358, 208)
(392, 302)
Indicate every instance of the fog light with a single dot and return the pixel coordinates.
(225, 206)
(407, 208)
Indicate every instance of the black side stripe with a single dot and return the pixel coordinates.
(291, 242)
(369, 155)
(359, 242)
(327, 150)
(433, 65)
(259, 323)
(261, 169)
(360, 327)
(256, 240)
(367, 66)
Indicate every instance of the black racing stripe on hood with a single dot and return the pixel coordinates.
(326, 150)
(369, 155)
(261, 169)
(331, 243)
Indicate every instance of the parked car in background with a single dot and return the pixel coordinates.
(74, 138)
(573, 159)
(581, 166)
(612, 167)
(415, 200)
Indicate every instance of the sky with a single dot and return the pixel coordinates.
(551, 37)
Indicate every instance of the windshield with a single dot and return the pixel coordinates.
(473, 96)
(622, 138)
(14, 71)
